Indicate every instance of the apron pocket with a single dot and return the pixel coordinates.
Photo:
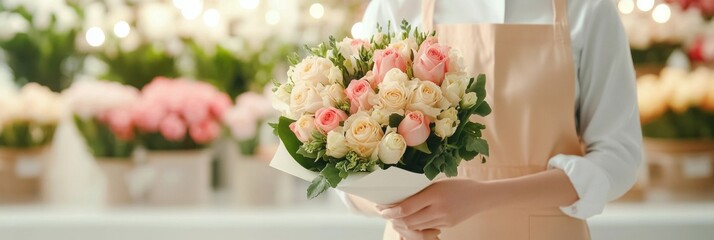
(557, 227)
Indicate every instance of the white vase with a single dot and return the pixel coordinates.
(21, 173)
(178, 177)
(116, 172)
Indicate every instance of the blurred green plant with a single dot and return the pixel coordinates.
(235, 75)
(138, 67)
(45, 56)
(26, 134)
(695, 123)
(101, 141)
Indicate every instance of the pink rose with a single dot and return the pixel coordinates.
(360, 93)
(414, 128)
(148, 116)
(303, 128)
(121, 124)
(173, 128)
(327, 119)
(204, 132)
(385, 60)
(219, 104)
(195, 111)
(432, 62)
(358, 44)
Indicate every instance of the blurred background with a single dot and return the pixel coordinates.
(147, 119)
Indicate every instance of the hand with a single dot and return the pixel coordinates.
(443, 204)
(406, 234)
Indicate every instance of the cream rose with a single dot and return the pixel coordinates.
(304, 98)
(392, 147)
(454, 87)
(427, 98)
(363, 134)
(336, 143)
(406, 47)
(444, 128)
(281, 98)
(456, 62)
(449, 113)
(469, 100)
(395, 91)
(332, 95)
(316, 70)
(303, 128)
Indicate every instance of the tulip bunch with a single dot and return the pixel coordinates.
(396, 100)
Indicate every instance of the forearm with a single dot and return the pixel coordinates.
(551, 188)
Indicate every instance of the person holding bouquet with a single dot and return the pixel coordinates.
(564, 132)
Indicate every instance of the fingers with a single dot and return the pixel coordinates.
(418, 220)
(436, 223)
(427, 234)
(407, 207)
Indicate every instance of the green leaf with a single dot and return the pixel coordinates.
(483, 110)
(332, 174)
(431, 172)
(395, 120)
(452, 165)
(275, 128)
(305, 153)
(477, 144)
(423, 148)
(292, 144)
(317, 187)
(466, 154)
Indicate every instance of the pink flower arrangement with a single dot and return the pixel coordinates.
(244, 120)
(108, 102)
(181, 109)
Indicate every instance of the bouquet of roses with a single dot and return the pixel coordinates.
(392, 111)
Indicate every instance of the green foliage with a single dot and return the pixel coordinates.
(101, 141)
(138, 67)
(44, 56)
(695, 123)
(25, 135)
(155, 141)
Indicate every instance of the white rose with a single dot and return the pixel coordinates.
(450, 113)
(363, 134)
(378, 37)
(336, 143)
(395, 75)
(444, 127)
(281, 98)
(381, 116)
(316, 70)
(332, 95)
(469, 100)
(392, 147)
(304, 127)
(456, 62)
(454, 87)
(304, 99)
(428, 99)
(405, 48)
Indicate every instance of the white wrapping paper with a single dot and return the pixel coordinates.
(384, 187)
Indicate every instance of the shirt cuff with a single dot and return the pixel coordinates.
(590, 182)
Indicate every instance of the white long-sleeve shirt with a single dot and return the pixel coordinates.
(606, 101)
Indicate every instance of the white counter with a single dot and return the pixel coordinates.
(622, 221)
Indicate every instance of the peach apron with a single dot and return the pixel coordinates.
(530, 87)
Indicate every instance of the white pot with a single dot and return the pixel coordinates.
(252, 182)
(116, 172)
(178, 177)
(21, 173)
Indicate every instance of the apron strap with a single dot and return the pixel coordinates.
(560, 20)
(427, 15)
